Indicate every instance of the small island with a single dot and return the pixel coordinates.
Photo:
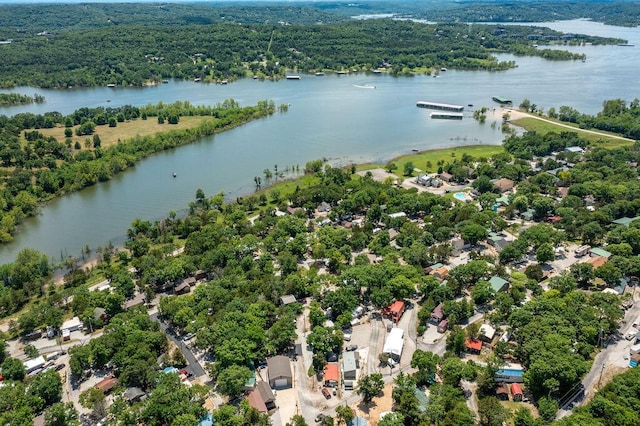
(13, 99)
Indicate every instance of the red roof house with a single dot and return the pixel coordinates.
(474, 346)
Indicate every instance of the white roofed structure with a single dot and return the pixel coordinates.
(394, 343)
(34, 364)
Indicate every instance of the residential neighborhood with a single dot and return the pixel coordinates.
(492, 287)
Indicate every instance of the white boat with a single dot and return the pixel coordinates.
(293, 77)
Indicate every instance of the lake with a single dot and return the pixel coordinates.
(335, 117)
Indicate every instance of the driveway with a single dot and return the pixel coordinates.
(194, 365)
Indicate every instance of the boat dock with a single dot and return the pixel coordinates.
(447, 115)
(502, 100)
(439, 106)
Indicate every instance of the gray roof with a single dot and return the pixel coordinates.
(289, 298)
(265, 392)
(279, 367)
(349, 361)
(133, 393)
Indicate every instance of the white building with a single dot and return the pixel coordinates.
(394, 343)
(34, 364)
(73, 324)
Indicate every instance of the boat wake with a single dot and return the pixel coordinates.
(364, 86)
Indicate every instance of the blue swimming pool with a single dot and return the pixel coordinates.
(460, 196)
(510, 372)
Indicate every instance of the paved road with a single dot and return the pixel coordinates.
(194, 365)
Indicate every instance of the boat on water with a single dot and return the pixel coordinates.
(293, 77)
(364, 86)
(165, 81)
(319, 74)
(224, 82)
(112, 85)
(443, 69)
(175, 174)
(625, 45)
(108, 100)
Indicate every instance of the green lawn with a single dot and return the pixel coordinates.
(531, 124)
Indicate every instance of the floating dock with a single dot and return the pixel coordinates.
(447, 115)
(502, 100)
(439, 106)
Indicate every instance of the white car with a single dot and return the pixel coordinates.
(630, 336)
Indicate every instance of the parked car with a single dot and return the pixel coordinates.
(188, 337)
(326, 393)
(630, 336)
(351, 348)
(320, 417)
(59, 367)
(347, 337)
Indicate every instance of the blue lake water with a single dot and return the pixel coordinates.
(333, 117)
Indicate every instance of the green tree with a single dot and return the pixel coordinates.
(13, 369)
(392, 419)
(344, 414)
(232, 379)
(491, 412)
(370, 386)
(545, 253)
(408, 168)
(46, 389)
(93, 399)
(427, 364)
(60, 414)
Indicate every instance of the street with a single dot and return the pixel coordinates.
(194, 366)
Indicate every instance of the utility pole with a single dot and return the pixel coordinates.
(600, 378)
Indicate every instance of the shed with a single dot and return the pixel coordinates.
(394, 343)
(331, 375)
(182, 288)
(516, 392)
(324, 207)
(287, 299)
(349, 365)
(279, 372)
(597, 251)
(502, 392)
(446, 176)
(443, 326)
(498, 284)
(266, 394)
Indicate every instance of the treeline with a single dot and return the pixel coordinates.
(134, 55)
(616, 116)
(9, 99)
(39, 168)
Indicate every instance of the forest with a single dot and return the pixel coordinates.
(37, 18)
(11, 99)
(135, 55)
(36, 168)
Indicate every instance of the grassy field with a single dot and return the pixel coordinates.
(447, 155)
(531, 124)
(127, 130)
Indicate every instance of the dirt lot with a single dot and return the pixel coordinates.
(378, 405)
(379, 175)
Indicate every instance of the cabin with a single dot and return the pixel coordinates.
(473, 346)
(182, 288)
(502, 392)
(443, 326)
(106, 384)
(503, 184)
(437, 315)
(350, 365)
(287, 299)
(516, 392)
(331, 375)
(266, 394)
(394, 311)
(487, 333)
(498, 284)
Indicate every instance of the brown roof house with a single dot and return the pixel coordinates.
(266, 394)
(280, 375)
(437, 315)
(107, 384)
(502, 392)
(504, 184)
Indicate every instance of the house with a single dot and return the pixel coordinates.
(441, 273)
(502, 392)
(266, 394)
(394, 343)
(625, 221)
(432, 268)
(255, 401)
(516, 392)
(437, 315)
(99, 314)
(287, 299)
(134, 394)
(498, 284)
(190, 281)
(397, 215)
(443, 326)
(137, 300)
(473, 346)
(107, 384)
(458, 245)
(394, 311)
(350, 365)
(294, 210)
(182, 288)
(200, 274)
(324, 207)
(331, 375)
(279, 369)
(528, 214)
(424, 180)
(487, 333)
(497, 241)
(503, 200)
(71, 325)
(503, 184)
(447, 177)
(574, 149)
